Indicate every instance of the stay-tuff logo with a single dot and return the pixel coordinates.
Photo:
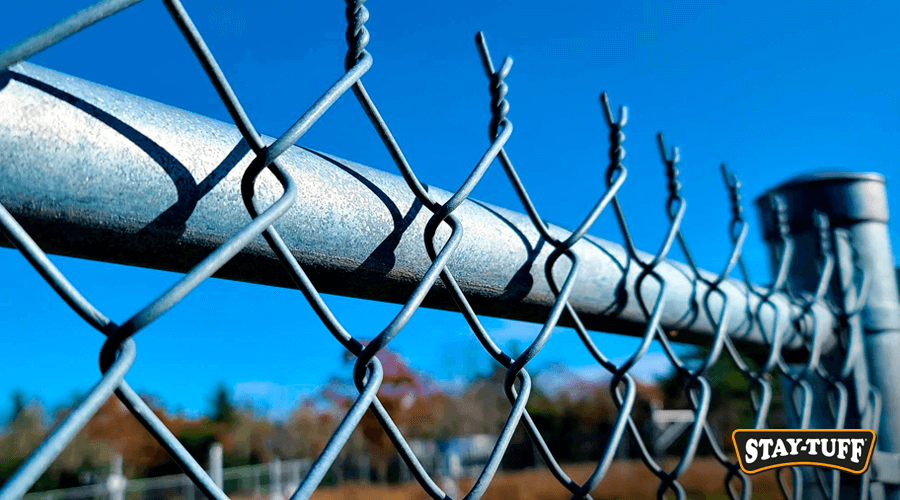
(848, 450)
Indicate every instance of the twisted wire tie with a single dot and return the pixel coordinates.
(733, 184)
(821, 222)
(779, 207)
(357, 34)
(499, 104)
(673, 185)
(616, 137)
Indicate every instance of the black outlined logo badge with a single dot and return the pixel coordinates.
(846, 449)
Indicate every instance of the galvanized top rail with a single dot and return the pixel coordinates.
(129, 180)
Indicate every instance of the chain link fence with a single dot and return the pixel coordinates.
(823, 325)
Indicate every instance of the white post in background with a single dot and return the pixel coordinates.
(275, 479)
(116, 482)
(256, 488)
(455, 465)
(449, 483)
(295, 478)
(215, 464)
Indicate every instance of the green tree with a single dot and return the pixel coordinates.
(223, 409)
(18, 405)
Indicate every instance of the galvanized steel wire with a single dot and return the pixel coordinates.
(119, 351)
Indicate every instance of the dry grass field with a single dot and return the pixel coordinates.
(626, 480)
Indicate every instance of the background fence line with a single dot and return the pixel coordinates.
(275, 479)
(826, 325)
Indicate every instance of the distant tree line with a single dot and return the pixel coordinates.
(575, 424)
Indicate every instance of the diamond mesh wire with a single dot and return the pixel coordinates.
(118, 352)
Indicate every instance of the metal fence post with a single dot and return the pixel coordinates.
(215, 464)
(856, 203)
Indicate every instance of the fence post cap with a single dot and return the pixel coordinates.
(846, 198)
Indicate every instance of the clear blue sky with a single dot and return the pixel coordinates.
(776, 89)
